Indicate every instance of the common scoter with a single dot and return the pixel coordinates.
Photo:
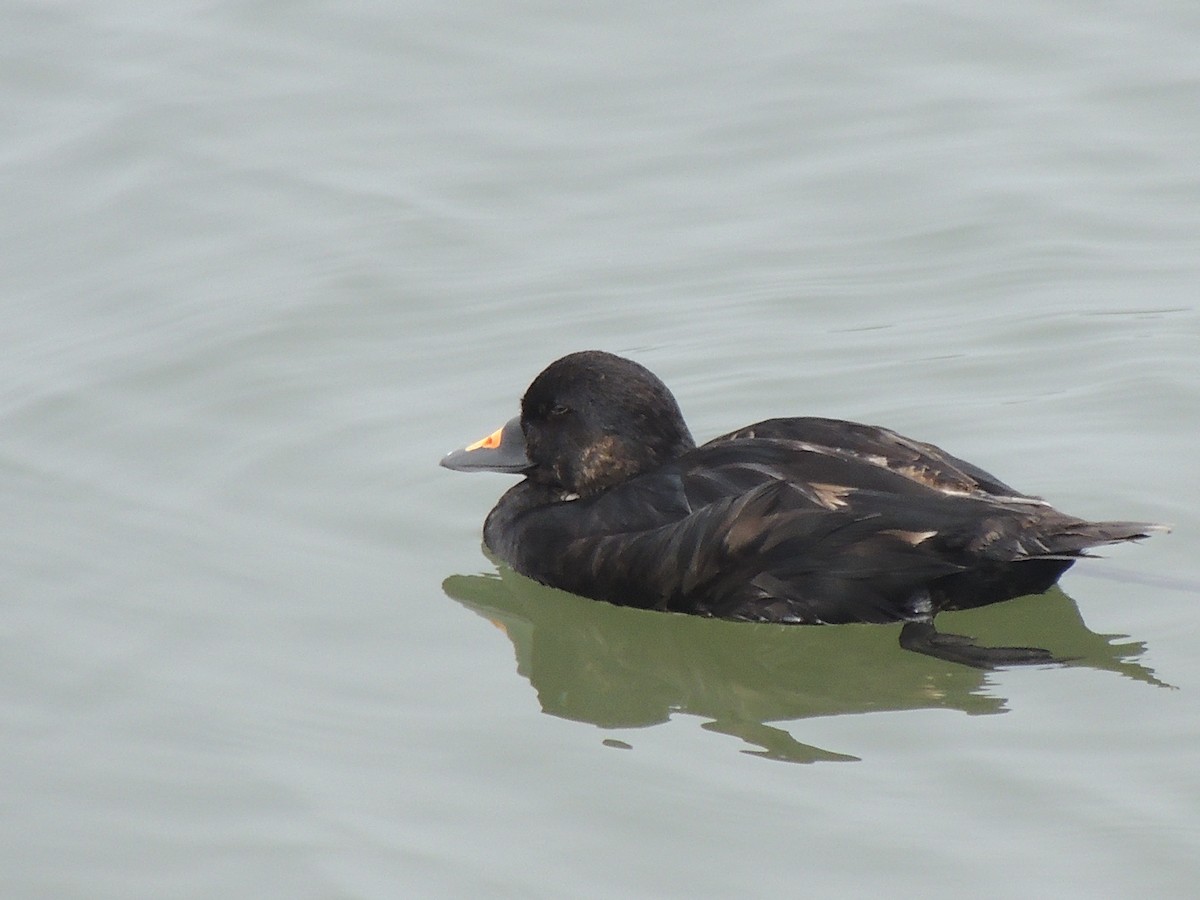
(799, 520)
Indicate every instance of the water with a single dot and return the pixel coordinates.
(264, 264)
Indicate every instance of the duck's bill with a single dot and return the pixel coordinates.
(500, 451)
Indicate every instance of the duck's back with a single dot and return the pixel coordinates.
(880, 447)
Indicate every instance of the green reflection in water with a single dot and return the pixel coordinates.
(623, 668)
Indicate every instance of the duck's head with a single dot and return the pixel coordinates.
(589, 420)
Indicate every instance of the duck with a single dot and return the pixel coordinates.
(797, 521)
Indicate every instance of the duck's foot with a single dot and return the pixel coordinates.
(922, 637)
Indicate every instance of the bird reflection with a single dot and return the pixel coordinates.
(618, 667)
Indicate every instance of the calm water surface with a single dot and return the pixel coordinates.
(265, 263)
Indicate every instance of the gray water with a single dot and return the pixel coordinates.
(264, 263)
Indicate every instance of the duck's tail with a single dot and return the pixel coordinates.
(1074, 537)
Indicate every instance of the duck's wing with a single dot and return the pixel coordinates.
(920, 462)
(773, 553)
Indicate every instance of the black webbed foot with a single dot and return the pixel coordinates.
(922, 637)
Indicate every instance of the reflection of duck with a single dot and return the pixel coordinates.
(621, 668)
(798, 521)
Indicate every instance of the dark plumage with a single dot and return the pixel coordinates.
(800, 520)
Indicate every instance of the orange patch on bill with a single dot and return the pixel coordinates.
(491, 442)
